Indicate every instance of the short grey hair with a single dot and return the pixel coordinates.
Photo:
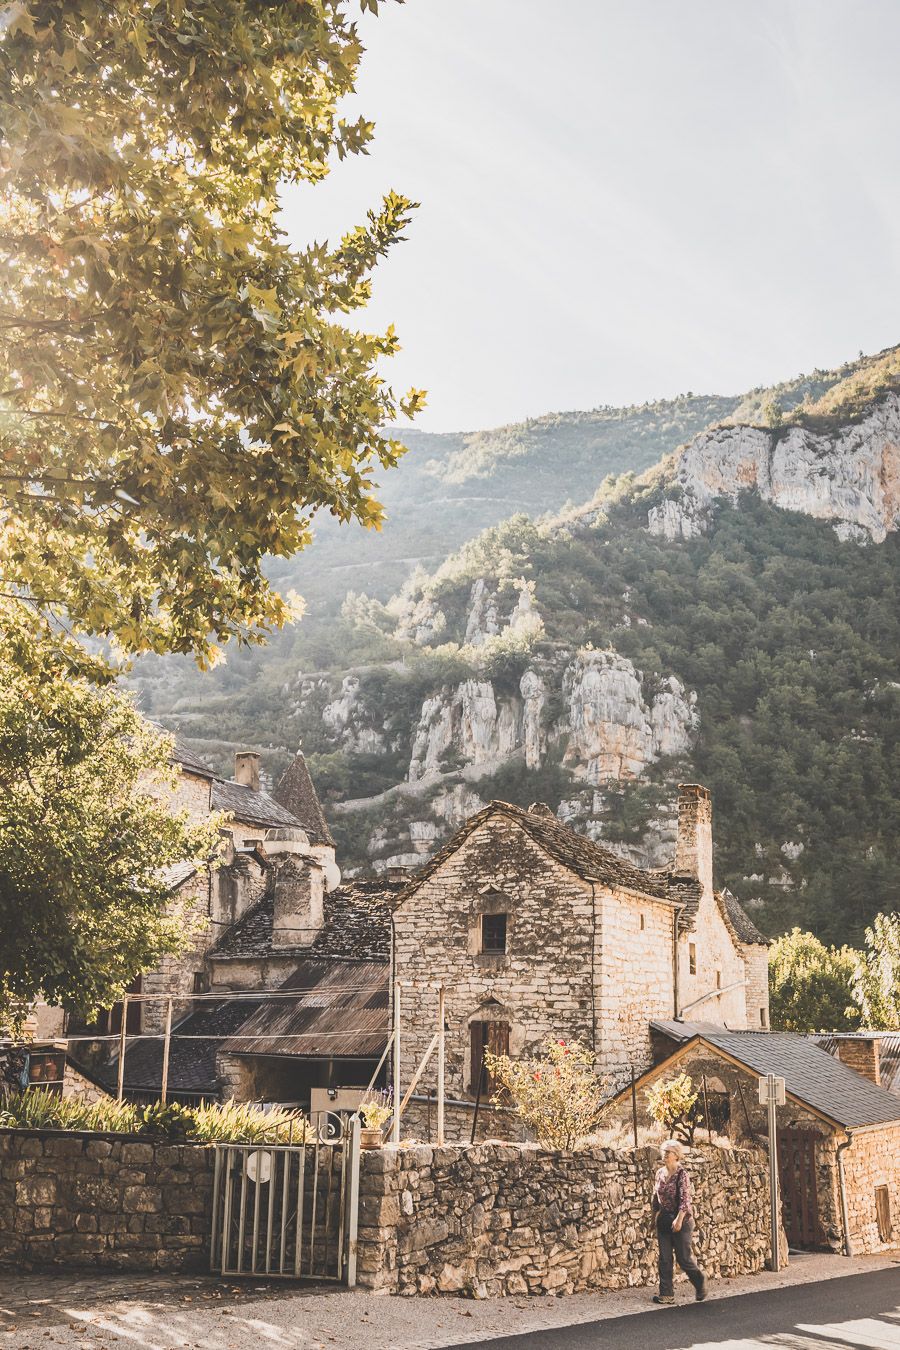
(671, 1146)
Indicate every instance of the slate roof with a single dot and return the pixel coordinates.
(178, 874)
(745, 930)
(184, 755)
(344, 1014)
(811, 1075)
(249, 804)
(357, 926)
(581, 855)
(192, 1063)
(296, 793)
(888, 1050)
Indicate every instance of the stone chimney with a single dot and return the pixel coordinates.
(862, 1053)
(246, 768)
(693, 846)
(299, 888)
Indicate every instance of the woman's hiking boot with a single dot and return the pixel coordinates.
(700, 1290)
(663, 1298)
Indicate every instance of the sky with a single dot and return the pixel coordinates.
(622, 201)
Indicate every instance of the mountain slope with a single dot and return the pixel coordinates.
(731, 616)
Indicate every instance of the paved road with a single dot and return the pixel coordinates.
(861, 1312)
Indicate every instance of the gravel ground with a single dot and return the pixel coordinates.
(188, 1313)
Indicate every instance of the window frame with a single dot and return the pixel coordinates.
(489, 917)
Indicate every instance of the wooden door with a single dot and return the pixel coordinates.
(799, 1188)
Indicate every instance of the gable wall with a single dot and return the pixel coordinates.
(716, 951)
(544, 985)
(635, 978)
(191, 793)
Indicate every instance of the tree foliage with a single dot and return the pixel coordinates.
(811, 985)
(876, 978)
(558, 1094)
(180, 389)
(86, 838)
(673, 1103)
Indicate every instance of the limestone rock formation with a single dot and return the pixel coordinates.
(849, 475)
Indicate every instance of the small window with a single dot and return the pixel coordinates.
(493, 933)
(883, 1213)
(692, 958)
(718, 979)
(762, 1017)
(642, 923)
(199, 982)
(492, 1036)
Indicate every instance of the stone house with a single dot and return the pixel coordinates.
(838, 1133)
(536, 931)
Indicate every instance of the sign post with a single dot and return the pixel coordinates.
(771, 1094)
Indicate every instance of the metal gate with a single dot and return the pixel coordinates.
(799, 1189)
(288, 1211)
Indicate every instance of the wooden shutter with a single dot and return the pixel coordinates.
(883, 1213)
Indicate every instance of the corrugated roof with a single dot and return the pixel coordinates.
(357, 926)
(888, 1050)
(296, 794)
(345, 1015)
(581, 855)
(249, 804)
(811, 1075)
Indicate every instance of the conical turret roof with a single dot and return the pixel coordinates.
(296, 793)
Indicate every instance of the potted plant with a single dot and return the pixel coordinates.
(375, 1113)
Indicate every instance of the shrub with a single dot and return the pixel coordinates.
(243, 1123)
(376, 1111)
(231, 1122)
(673, 1105)
(558, 1094)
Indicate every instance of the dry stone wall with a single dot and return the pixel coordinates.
(514, 1219)
(870, 1163)
(72, 1200)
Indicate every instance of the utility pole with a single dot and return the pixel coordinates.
(120, 1092)
(771, 1094)
(167, 1041)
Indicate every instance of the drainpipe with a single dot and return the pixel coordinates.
(842, 1187)
(676, 916)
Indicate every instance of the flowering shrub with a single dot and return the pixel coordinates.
(558, 1094)
(673, 1105)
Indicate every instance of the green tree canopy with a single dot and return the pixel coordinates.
(180, 389)
(876, 979)
(86, 838)
(811, 985)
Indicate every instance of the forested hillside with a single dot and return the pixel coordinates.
(681, 624)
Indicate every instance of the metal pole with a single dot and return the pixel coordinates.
(441, 1066)
(773, 1170)
(395, 1086)
(167, 1040)
(634, 1108)
(706, 1109)
(121, 1087)
(353, 1202)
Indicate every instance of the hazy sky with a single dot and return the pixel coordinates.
(625, 200)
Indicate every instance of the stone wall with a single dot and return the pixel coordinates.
(634, 978)
(869, 1162)
(175, 974)
(109, 1201)
(513, 1219)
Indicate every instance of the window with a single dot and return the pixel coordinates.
(718, 979)
(883, 1213)
(493, 933)
(492, 1036)
(762, 1017)
(642, 923)
(692, 958)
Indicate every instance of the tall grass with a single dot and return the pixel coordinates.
(230, 1122)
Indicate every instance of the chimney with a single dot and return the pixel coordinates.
(693, 846)
(862, 1053)
(299, 888)
(246, 768)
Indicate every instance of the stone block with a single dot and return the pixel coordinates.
(142, 1200)
(36, 1191)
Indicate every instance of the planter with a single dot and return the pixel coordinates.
(370, 1138)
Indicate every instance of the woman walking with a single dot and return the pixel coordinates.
(675, 1223)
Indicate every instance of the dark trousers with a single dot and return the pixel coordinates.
(680, 1244)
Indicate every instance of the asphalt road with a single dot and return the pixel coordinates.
(859, 1312)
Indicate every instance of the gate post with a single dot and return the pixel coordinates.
(352, 1227)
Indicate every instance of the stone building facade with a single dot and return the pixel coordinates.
(535, 931)
(838, 1131)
